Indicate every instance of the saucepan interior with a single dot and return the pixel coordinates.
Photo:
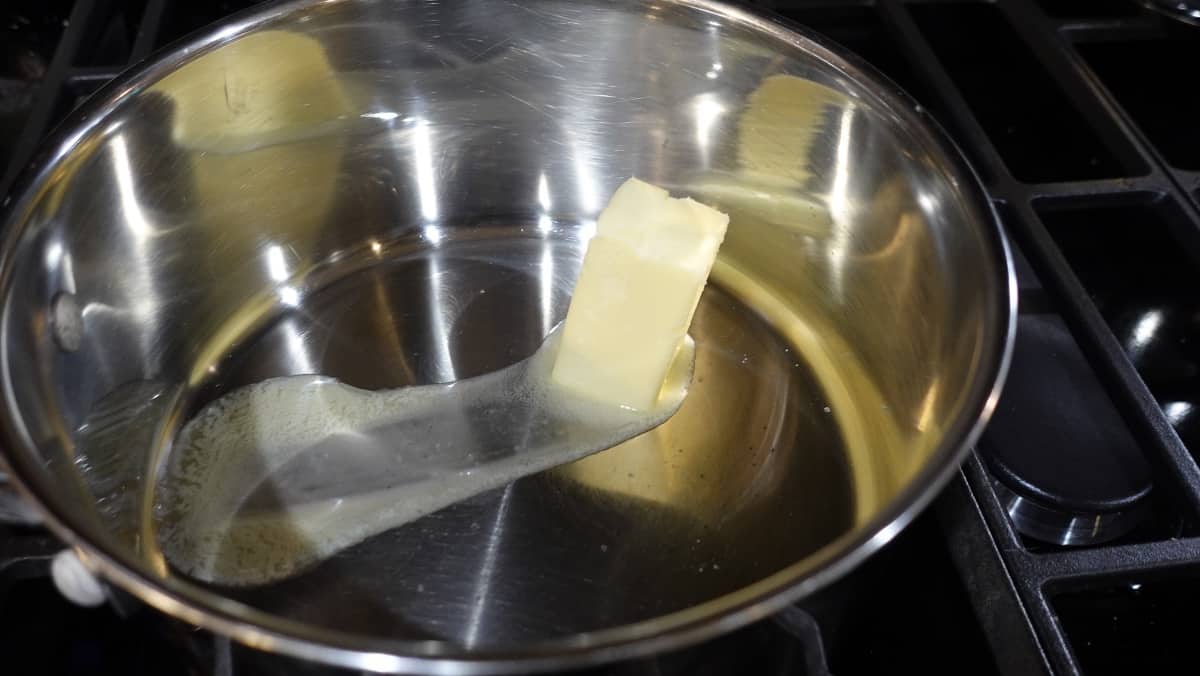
(401, 193)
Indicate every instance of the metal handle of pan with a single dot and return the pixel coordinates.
(71, 577)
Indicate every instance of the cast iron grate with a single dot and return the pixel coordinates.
(1085, 135)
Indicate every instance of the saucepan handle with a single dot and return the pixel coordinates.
(71, 577)
(75, 581)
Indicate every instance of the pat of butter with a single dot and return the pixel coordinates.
(641, 281)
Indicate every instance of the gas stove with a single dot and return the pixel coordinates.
(1067, 544)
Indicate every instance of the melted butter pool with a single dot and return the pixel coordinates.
(277, 476)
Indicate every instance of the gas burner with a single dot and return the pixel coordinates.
(1067, 470)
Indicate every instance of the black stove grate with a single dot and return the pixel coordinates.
(1082, 118)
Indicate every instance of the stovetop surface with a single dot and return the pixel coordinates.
(1068, 544)
(907, 609)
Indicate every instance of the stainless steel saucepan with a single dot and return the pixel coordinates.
(400, 192)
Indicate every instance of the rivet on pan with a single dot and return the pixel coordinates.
(66, 321)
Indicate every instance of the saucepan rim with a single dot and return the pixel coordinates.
(258, 629)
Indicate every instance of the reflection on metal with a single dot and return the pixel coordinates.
(54, 255)
(426, 172)
(928, 410)
(296, 349)
(440, 315)
(142, 296)
(1187, 11)
(543, 193)
(386, 116)
(546, 290)
(276, 264)
(1144, 331)
(841, 205)
(277, 270)
(289, 296)
(1178, 411)
(708, 112)
(487, 571)
(135, 218)
(1053, 526)
(585, 181)
(432, 234)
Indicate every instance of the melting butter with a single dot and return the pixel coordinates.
(271, 479)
